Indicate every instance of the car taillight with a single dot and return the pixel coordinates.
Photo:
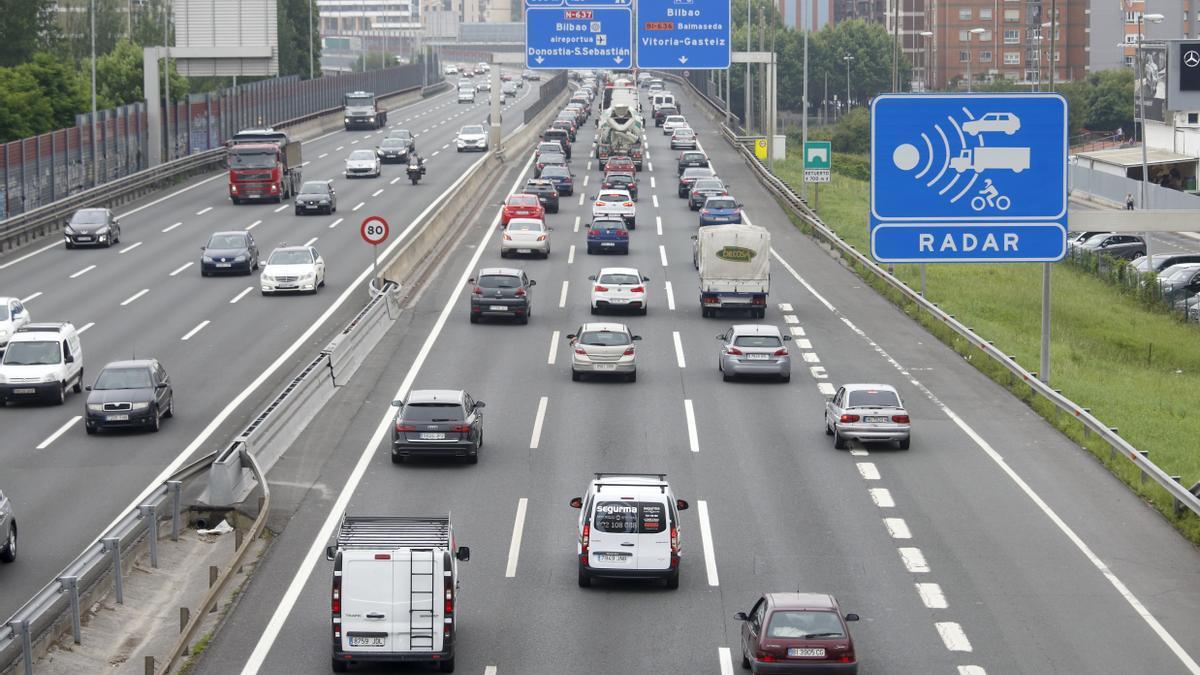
(581, 351)
(767, 657)
(846, 419)
(733, 351)
(846, 657)
(593, 233)
(782, 351)
(448, 616)
(705, 212)
(401, 428)
(506, 237)
(629, 351)
(638, 289)
(541, 237)
(335, 606)
(601, 289)
(900, 419)
(623, 234)
(585, 538)
(599, 203)
(627, 204)
(674, 540)
(461, 428)
(478, 291)
(520, 293)
(759, 300)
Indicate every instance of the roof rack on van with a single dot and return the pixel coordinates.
(661, 477)
(44, 327)
(391, 532)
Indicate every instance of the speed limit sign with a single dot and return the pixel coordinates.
(374, 230)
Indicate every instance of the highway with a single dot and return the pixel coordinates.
(225, 346)
(993, 545)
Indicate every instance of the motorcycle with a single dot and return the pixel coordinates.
(416, 169)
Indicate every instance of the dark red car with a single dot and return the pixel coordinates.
(522, 206)
(620, 164)
(797, 633)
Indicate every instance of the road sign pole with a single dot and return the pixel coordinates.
(375, 266)
(1044, 370)
(804, 99)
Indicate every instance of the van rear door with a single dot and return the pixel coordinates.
(417, 584)
(368, 615)
(654, 536)
(613, 538)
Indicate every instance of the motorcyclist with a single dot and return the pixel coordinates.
(415, 162)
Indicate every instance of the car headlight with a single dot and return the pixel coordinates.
(266, 278)
(206, 259)
(95, 407)
(68, 230)
(240, 258)
(347, 119)
(140, 405)
(309, 274)
(371, 118)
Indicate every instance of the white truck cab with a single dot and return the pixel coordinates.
(395, 590)
(40, 362)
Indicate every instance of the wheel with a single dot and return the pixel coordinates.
(78, 387)
(473, 455)
(61, 395)
(632, 377)
(298, 211)
(576, 376)
(828, 430)
(673, 580)
(446, 666)
(726, 377)
(523, 320)
(170, 408)
(785, 379)
(595, 310)
(339, 666)
(155, 421)
(585, 579)
(474, 319)
(397, 459)
(9, 552)
(70, 245)
(643, 311)
(91, 430)
(903, 444)
(745, 661)
(503, 253)
(839, 443)
(633, 224)
(203, 272)
(255, 265)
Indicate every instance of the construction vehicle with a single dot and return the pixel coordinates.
(264, 164)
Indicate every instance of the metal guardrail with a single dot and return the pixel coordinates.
(1184, 499)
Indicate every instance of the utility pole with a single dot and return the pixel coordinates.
(1044, 370)
(895, 46)
(847, 58)
(763, 119)
(748, 114)
(805, 26)
(167, 78)
(311, 69)
(95, 152)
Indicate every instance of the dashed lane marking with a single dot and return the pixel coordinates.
(914, 560)
(882, 498)
(199, 327)
(953, 636)
(897, 528)
(868, 470)
(931, 594)
(171, 227)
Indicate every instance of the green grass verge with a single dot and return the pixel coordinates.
(1137, 369)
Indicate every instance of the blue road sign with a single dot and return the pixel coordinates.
(678, 34)
(578, 37)
(598, 3)
(968, 178)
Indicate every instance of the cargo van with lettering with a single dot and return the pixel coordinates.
(629, 529)
(41, 362)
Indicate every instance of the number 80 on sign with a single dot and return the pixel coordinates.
(374, 230)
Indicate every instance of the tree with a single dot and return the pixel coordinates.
(27, 27)
(24, 110)
(119, 76)
(294, 34)
(1110, 100)
(869, 44)
(853, 132)
(65, 88)
(76, 21)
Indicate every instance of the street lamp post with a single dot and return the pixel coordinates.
(310, 39)
(95, 156)
(1153, 18)
(847, 58)
(925, 78)
(971, 55)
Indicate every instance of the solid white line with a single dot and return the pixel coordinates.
(914, 560)
(571, 254)
(537, 422)
(61, 430)
(241, 295)
(282, 207)
(84, 327)
(931, 594)
(652, 185)
(678, 349)
(335, 223)
(83, 271)
(553, 348)
(358, 206)
(135, 296)
(310, 242)
(514, 547)
(180, 269)
(393, 181)
(897, 528)
(868, 470)
(253, 225)
(43, 249)
(726, 660)
(576, 223)
(797, 276)
(654, 198)
(199, 327)
(797, 331)
(826, 388)
(171, 227)
(882, 498)
(811, 357)
(130, 247)
(785, 307)
(662, 254)
(953, 636)
(693, 437)
(377, 192)
(562, 297)
(706, 541)
(204, 210)
(658, 224)
(670, 297)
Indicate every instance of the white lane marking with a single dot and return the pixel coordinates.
(585, 180)
(931, 594)
(803, 343)
(135, 296)
(305, 164)
(366, 136)
(253, 225)
(199, 327)
(914, 560)
(859, 452)
(650, 166)
(882, 498)
(553, 348)
(204, 210)
(658, 224)
(61, 430)
(43, 249)
(435, 152)
(241, 295)
(83, 271)
(652, 185)
(377, 192)
(424, 130)
(654, 198)
(678, 349)
(576, 224)
(693, 437)
(445, 146)
(589, 164)
(818, 372)
(726, 660)
(797, 331)
(811, 357)
(323, 156)
(581, 196)
(130, 247)
(662, 254)
(868, 470)
(310, 242)
(826, 388)
(85, 326)
(514, 547)
(282, 207)
(354, 142)
(171, 227)
(791, 319)
(670, 297)
(953, 636)
(393, 181)
(338, 148)
(571, 254)
(180, 269)
(706, 541)
(335, 223)
(796, 275)
(978, 670)
(785, 306)
(897, 528)
(562, 297)
(358, 206)
(538, 419)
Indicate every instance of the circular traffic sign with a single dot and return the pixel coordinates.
(374, 230)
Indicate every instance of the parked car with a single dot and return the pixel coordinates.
(13, 315)
(690, 176)
(316, 196)
(619, 288)
(234, 251)
(438, 422)
(503, 292)
(127, 394)
(521, 205)
(525, 235)
(545, 191)
(691, 158)
(704, 188)
(1118, 245)
(797, 633)
(621, 181)
(8, 529)
(754, 350)
(867, 412)
(720, 211)
(92, 227)
(608, 234)
(1180, 282)
(1076, 239)
(1163, 261)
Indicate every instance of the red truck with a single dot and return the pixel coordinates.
(264, 164)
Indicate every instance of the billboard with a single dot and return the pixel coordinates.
(226, 37)
(1151, 82)
(1183, 80)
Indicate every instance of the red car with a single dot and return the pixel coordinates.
(522, 206)
(797, 633)
(620, 164)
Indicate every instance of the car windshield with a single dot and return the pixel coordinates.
(40, 353)
(290, 258)
(89, 217)
(619, 180)
(315, 189)
(611, 197)
(556, 172)
(525, 226)
(123, 378)
(628, 517)
(394, 143)
(361, 154)
(869, 398)
(522, 200)
(433, 412)
(757, 341)
(1179, 272)
(619, 279)
(352, 100)
(220, 241)
(251, 159)
(708, 184)
(473, 129)
(720, 204)
(803, 624)
(538, 187)
(499, 281)
(604, 338)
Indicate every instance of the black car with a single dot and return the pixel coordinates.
(440, 422)
(546, 193)
(690, 176)
(548, 158)
(660, 115)
(704, 188)
(621, 181)
(92, 227)
(692, 159)
(229, 252)
(394, 150)
(316, 196)
(560, 135)
(501, 291)
(129, 394)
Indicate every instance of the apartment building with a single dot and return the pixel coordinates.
(1113, 29)
(819, 13)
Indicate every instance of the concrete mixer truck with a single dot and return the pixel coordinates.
(620, 134)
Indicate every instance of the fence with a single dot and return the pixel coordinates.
(1114, 188)
(43, 169)
(546, 93)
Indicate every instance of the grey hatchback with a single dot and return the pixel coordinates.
(8, 529)
(444, 422)
(754, 349)
(501, 291)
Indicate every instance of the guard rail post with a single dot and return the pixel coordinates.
(71, 585)
(150, 512)
(26, 645)
(175, 487)
(113, 545)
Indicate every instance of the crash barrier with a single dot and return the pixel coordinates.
(1183, 498)
(546, 93)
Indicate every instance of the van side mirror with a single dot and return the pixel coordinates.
(577, 503)
(852, 617)
(681, 504)
(330, 552)
(88, 388)
(463, 553)
(398, 403)
(480, 404)
(471, 281)
(741, 616)
(70, 358)
(645, 278)
(787, 337)
(592, 277)
(532, 282)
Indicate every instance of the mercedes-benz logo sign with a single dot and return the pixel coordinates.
(1192, 58)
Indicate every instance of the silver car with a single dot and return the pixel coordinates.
(525, 235)
(867, 412)
(8, 531)
(603, 348)
(753, 349)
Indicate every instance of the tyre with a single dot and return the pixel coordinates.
(839, 443)
(155, 421)
(523, 320)
(473, 456)
(60, 395)
(595, 310)
(339, 666)
(632, 377)
(726, 377)
(474, 319)
(643, 311)
(298, 211)
(70, 245)
(828, 430)
(397, 459)
(203, 272)
(446, 666)
(9, 552)
(575, 376)
(78, 387)
(785, 379)
(673, 580)
(91, 430)
(904, 443)
(503, 253)
(585, 579)
(170, 408)
(745, 661)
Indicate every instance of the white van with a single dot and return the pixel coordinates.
(395, 590)
(629, 528)
(660, 99)
(466, 93)
(40, 362)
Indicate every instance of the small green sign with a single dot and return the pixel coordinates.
(736, 254)
(818, 160)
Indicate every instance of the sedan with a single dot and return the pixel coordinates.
(797, 633)
(690, 176)
(704, 188)
(720, 211)
(225, 252)
(92, 227)
(620, 164)
(525, 235)
(440, 422)
(615, 203)
(316, 196)
(672, 122)
(548, 158)
(471, 137)
(8, 530)
(293, 269)
(13, 315)
(363, 163)
(691, 158)
(683, 137)
(867, 412)
(567, 125)
(545, 191)
(608, 235)
(509, 89)
(619, 288)
(621, 181)
(522, 206)
(548, 146)
(754, 350)
(663, 113)
(501, 291)
(603, 348)
(393, 150)
(128, 394)
(561, 176)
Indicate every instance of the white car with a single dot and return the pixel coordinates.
(293, 269)
(450, 70)
(683, 138)
(363, 163)
(673, 122)
(617, 203)
(483, 86)
(603, 349)
(525, 235)
(1007, 123)
(471, 137)
(619, 288)
(13, 315)
(466, 94)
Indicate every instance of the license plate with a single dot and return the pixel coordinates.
(24, 390)
(619, 301)
(285, 286)
(118, 418)
(876, 419)
(498, 308)
(612, 557)
(310, 206)
(366, 641)
(224, 264)
(608, 243)
(83, 238)
(433, 436)
(524, 250)
(605, 366)
(818, 652)
(758, 357)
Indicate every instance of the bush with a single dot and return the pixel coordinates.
(852, 166)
